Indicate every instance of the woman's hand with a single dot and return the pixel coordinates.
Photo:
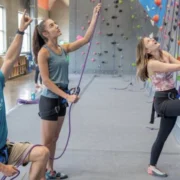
(97, 9)
(72, 98)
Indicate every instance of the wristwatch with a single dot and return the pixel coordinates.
(20, 32)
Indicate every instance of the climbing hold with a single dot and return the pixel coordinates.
(82, 28)
(106, 9)
(78, 37)
(110, 34)
(107, 24)
(116, 2)
(157, 2)
(94, 53)
(114, 42)
(133, 16)
(114, 56)
(97, 43)
(100, 54)
(119, 49)
(161, 28)
(174, 27)
(116, 6)
(120, 10)
(169, 33)
(103, 19)
(155, 18)
(103, 62)
(92, 59)
(114, 17)
(118, 25)
(105, 51)
(179, 42)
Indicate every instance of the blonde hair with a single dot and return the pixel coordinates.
(142, 59)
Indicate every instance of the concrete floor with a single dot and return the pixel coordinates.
(110, 137)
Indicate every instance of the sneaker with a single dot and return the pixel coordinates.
(156, 172)
(54, 175)
(61, 175)
(50, 175)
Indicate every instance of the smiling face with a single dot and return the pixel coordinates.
(151, 45)
(51, 29)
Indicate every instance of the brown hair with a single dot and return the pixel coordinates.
(38, 39)
(142, 59)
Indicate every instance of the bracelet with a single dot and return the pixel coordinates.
(20, 32)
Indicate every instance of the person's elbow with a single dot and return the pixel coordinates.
(46, 81)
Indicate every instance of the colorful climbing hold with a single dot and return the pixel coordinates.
(155, 18)
(157, 2)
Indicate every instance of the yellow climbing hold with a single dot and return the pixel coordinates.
(120, 1)
(133, 16)
(133, 64)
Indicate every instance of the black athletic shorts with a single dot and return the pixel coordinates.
(47, 106)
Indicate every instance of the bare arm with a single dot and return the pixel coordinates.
(43, 67)
(156, 66)
(79, 43)
(15, 48)
(172, 59)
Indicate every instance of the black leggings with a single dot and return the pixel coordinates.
(36, 75)
(170, 109)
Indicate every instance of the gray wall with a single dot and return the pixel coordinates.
(122, 59)
(60, 14)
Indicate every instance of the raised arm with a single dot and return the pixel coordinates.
(156, 66)
(15, 48)
(79, 43)
(171, 58)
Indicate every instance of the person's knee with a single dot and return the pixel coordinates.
(43, 153)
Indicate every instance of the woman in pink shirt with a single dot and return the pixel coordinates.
(159, 66)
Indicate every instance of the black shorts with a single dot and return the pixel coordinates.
(47, 105)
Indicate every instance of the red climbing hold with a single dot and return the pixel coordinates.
(157, 2)
(179, 42)
(155, 18)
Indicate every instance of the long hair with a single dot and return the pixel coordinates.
(38, 39)
(142, 59)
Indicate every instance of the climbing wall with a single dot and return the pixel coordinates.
(120, 25)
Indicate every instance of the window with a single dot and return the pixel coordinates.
(2, 30)
(26, 39)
